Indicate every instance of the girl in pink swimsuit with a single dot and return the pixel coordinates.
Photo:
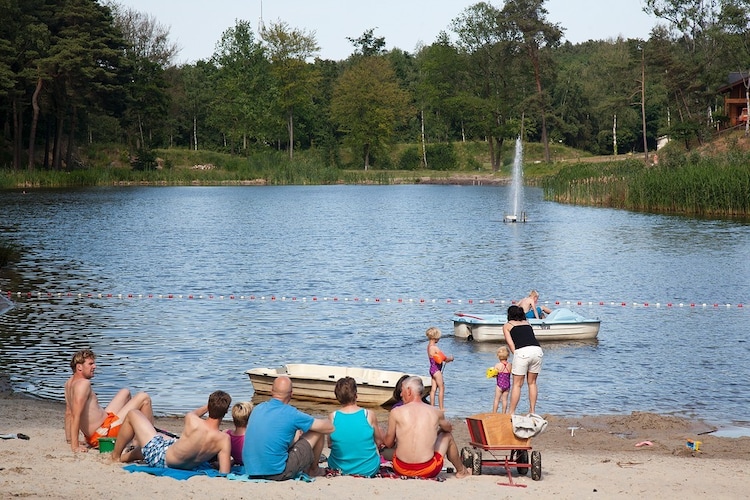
(503, 368)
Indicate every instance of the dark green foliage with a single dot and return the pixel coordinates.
(144, 159)
(473, 164)
(441, 157)
(410, 159)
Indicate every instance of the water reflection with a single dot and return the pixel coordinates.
(419, 250)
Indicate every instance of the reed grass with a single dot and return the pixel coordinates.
(716, 186)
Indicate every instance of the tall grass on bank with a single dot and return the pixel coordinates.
(690, 185)
(204, 169)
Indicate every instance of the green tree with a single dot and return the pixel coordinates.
(701, 53)
(533, 33)
(67, 61)
(148, 53)
(24, 42)
(192, 88)
(735, 16)
(367, 105)
(484, 98)
(368, 44)
(296, 80)
(244, 96)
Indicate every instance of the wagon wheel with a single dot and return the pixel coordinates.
(476, 463)
(522, 457)
(536, 465)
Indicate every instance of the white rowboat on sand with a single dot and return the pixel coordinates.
(316, 382)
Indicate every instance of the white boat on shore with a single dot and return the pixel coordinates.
(316, 382)
(560, 324)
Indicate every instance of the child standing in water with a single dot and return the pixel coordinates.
(502, 389)
(437, 363)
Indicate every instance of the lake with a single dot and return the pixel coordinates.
(179, 290)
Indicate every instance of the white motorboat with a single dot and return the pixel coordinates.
(317, 382)
(560, 324)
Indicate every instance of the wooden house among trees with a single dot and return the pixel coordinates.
(736, 97)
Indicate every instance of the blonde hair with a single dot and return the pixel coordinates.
(433, 333)
(533, 293)
(80, 358)
(502, 353)
(241, 413)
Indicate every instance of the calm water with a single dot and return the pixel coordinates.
(207, 282)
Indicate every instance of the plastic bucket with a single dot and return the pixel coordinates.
(106, 445)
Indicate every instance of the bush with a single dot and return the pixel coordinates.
(441, 156)
(145, 159)
(473, 164)
(410, 159)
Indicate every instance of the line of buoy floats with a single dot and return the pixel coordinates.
(336, 299)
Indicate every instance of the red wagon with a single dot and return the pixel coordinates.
(492, 433)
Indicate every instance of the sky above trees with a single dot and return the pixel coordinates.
(196, 26)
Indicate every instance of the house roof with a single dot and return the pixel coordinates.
(735, 78)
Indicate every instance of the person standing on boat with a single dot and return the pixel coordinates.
(527, 356)
(530, 307)
(437, 363)
(283, 441)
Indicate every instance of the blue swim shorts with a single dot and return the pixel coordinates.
(155, 451)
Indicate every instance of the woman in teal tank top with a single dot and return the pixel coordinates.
(355, 442)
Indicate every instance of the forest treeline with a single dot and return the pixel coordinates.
(76, 73)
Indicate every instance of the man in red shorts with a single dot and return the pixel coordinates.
(82, 410)
(422, 436)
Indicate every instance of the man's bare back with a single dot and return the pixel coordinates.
(201, 440)
(416, 443)
(198, 443)
(421, 434)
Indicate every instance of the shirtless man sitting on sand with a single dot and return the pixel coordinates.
(422, 436)
(201, 440)
(82, 410)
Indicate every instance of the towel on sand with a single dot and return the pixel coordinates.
(202, 470)
(301, 476)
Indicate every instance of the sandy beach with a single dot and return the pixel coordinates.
(601, 460)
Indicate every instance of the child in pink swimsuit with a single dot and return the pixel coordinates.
(502, 389)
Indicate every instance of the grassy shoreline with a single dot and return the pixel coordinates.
(712, 182)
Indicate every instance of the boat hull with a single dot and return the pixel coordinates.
(5, 304)
(317, 382)
(489, 328)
